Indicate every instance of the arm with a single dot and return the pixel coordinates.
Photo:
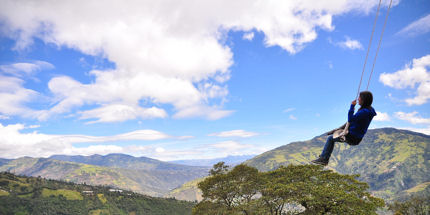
(351, 114)
(357, 116)
(351, 111)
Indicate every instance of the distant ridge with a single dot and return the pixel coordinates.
(125, 161)
(143, 175)
(229, 160)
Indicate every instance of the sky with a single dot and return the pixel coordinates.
(175, 80)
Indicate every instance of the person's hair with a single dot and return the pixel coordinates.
(367, 99)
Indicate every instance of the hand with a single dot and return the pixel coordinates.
(354, 102)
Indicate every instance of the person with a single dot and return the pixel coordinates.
(358, 124)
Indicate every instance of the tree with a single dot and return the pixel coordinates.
(229, 191)
(417, 205)
(318, 191)
(302, 189)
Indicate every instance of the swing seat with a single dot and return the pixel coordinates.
(340, 133)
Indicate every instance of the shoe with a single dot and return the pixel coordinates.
(320, 161)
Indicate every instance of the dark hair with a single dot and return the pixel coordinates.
(367, 99)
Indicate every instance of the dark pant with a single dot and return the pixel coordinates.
(329, 145)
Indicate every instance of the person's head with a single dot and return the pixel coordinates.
(365, 99)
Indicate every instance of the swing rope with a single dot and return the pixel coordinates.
(379, 44)
(368, 48)
(345, 129)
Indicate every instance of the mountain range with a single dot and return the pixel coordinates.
(395, 163)
(35, 195)
(140, 174)
(229, 160)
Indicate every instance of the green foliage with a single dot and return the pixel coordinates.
(232, 190)
(417, 205)
(143, 175)
(295, 189)
(30, 195)
(68, 194)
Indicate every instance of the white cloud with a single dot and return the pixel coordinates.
(4, 117)
(412, 117)
(248, 36)
(119, 112)
(418, 27)
(25, 69)
(230, 145)
(134, 135)
(350, 44)
(14, 97)
(381, 117)
(289, 110)
(292, 117)
(234, 133)
(419, 130)
(16, 143)
(410, 76)
(163, 50)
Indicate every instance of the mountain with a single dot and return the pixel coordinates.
(3, 161)
(31, 195)
(187, 191)
(395, 163)
(229, 160)
(155, 178)
(127, 162)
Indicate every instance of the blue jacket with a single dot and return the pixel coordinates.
(360, 121)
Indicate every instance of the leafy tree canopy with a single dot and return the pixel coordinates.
(294, 189)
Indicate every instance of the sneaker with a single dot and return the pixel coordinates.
(320, 161)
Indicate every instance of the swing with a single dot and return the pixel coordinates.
(342, 131)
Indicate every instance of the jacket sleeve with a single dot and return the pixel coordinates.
(353, 118)
(351, 113)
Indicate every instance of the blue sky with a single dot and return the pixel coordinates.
(184, 80)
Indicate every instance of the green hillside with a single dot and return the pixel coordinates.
(393, 162)
(188, 191)
(128, 162)
(151, 182)
(30, 195)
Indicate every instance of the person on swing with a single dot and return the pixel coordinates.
(358, 124)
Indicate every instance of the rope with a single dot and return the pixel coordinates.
(379, 45)
(368, 48)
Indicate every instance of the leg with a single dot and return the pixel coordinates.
(328, 148)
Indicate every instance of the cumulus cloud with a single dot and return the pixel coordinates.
(234, 133)
(25, 69)
(419, 130)
(418, 27)
(350, 44)
(230, 147)
(415, 76)
(248, 36)
(162, 50)
(14, 97)
(412, 117)
(120, 112)
(16, 143)
(381, 117)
